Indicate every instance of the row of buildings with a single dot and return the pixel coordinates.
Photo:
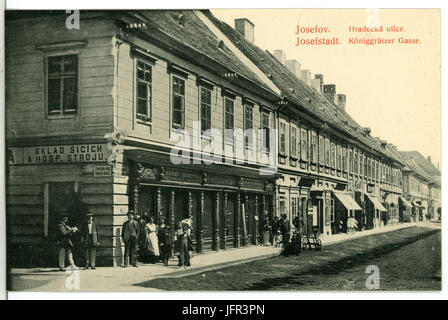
(123, 112)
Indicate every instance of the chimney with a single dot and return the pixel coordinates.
(330, 91)
(294, 67)
(341, 99)
(246, 28)
(280, 55)
(315, 83)
(320, 77)
(306, 76)
(429, 158)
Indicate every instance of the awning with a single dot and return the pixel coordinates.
(376, 203)
(348, 202)
(406, 203)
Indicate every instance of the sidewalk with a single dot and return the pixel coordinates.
(120, 279)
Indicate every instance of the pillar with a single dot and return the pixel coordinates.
(216, 223)
(256, 231)
(200, 213)
(224, 222)
(236, 234)
(158, 203)
(136, 189)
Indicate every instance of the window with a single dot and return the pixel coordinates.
(350, 160)
(313, 148)
(344, 159)
(356, 162)
(361, 164)
(294, 207)
(365, 165)
(206, 110)
(304, 145)
(248, 126)
(293, 141)
(62, 85)
(333, 155)
(266, 133)
(282, 137)
(178, 103)
(144, 79)
(228, 118)
(327, 152)
(321, 151)
(339, 157)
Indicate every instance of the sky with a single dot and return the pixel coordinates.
(394, 89)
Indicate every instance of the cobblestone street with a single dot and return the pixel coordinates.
(408, 259)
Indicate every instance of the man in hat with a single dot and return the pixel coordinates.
(129, 234)
(65, 244)
(90, 238)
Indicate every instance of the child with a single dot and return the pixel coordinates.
(278, 239)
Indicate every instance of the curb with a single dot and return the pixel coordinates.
(194, 271)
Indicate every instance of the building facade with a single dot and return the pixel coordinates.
(172, 114)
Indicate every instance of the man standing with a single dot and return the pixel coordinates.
(129, 234)
(90, 236)
(286, 230)
(65, 244)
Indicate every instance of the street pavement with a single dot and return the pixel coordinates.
(131, 279)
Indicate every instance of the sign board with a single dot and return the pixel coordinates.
(102, 171)
(74, 153)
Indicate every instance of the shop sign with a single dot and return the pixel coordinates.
(74, 153)
(102, 171)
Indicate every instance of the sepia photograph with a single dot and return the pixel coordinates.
(249, 150)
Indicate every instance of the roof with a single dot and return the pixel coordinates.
(193, 34)
(417, 163)
(299, 92)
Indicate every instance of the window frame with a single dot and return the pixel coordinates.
(266, 134)
(227, 138)
(203, 89)
(140, 116)
(282, 138)
(304, 145)
(247, 107)
(62, 115)
(293, 142)
(172, 94)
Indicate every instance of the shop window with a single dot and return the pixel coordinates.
(144, 79)
(62, 85)
(60, 196)
(178, 107)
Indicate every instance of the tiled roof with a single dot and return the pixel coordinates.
(193, 33)
(298, 91)
(417, 163)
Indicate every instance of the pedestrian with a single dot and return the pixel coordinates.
(152, 243)
(90, 238)
(64, 242)
(266, 232)
(165, 241)
(274, 229)
(188, 223)
(286, 230)
(129, 234)
(183, 247)
(141, 243)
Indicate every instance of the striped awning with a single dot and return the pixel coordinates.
(348, 202)
(376, 203)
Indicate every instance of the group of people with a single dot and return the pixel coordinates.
(150, 242)
(89, 239)
(277, 231)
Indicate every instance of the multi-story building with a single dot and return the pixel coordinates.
(422, 185)
(159, 112)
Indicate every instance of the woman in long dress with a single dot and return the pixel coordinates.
(152, 241)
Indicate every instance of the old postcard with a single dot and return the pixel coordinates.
(223, 150)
